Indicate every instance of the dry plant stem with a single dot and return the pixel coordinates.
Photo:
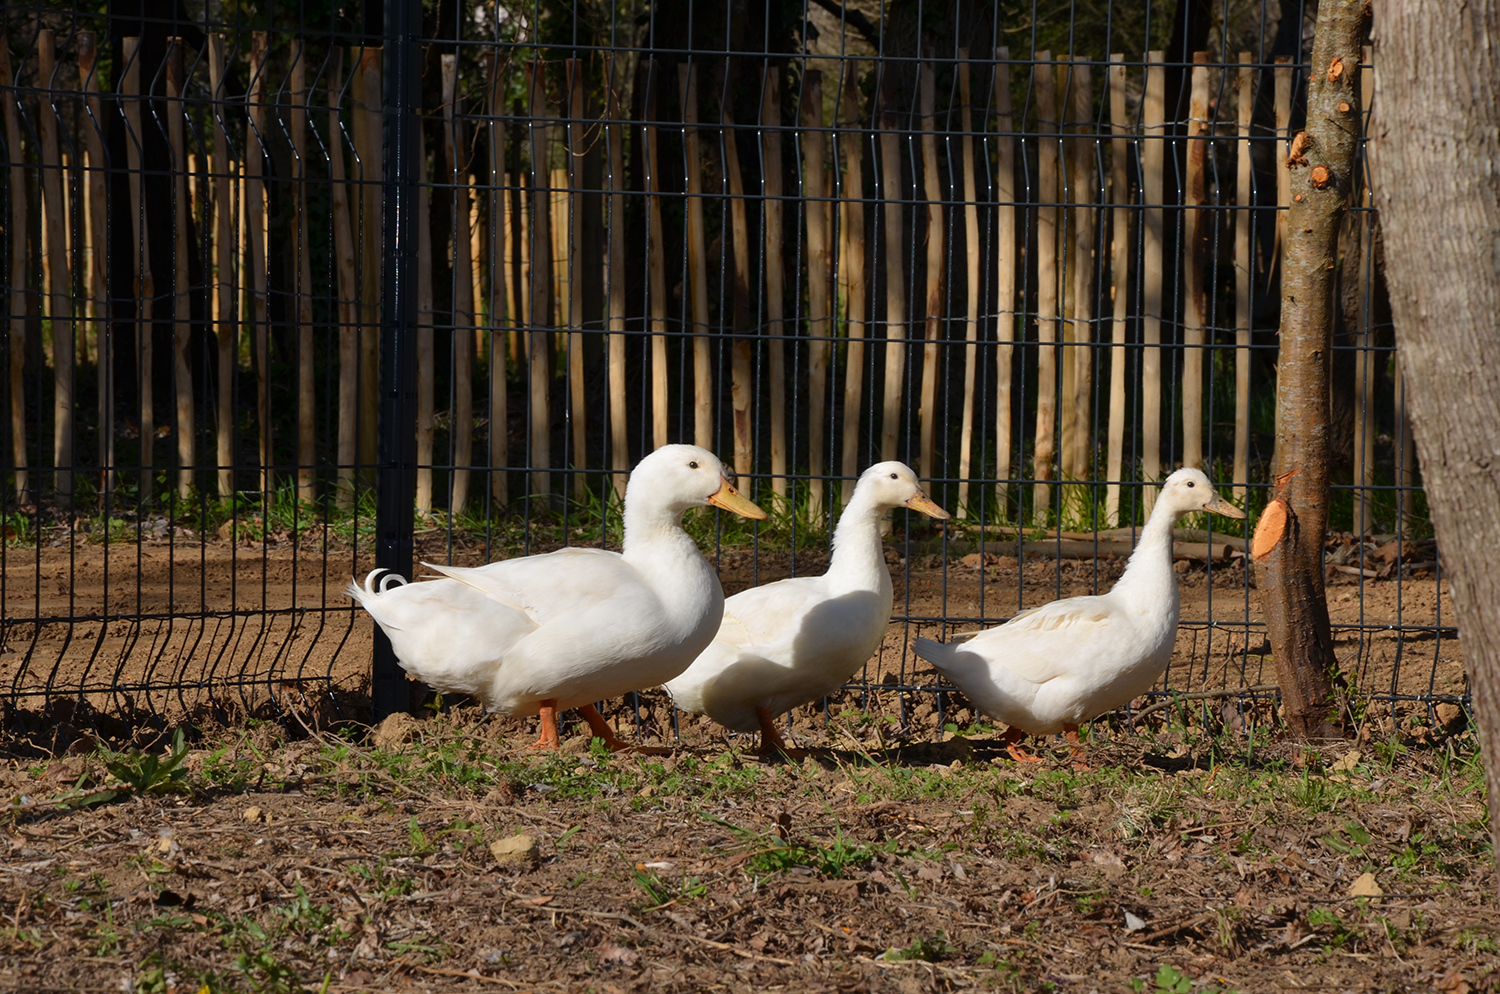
(578, 142)
(615, 285)
(819, 327)
(1005, 279)
(539, 289)
(1048, 162)
(1119, 290)
(97, 292)
(851, 265)
(255, 226)
(145, 287)
(1434, 142)
(1083, 270)
(1242, 276)
(502, 295)
(307, 430)
(59, 286)
(936, 252)
(1153, 159)
(367, 138)
(741, 366)
(697, 247)
(1291, 575)
(348, 299)
(463, 290)
(895, 284)
(1197, 230)
(225, 320)
(16, 298)
(656, 262)
(426, 360)
(971, 279)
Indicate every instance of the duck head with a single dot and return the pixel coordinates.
(893, 484)
(1189, 490)
(684, 476)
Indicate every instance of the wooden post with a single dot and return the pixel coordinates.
(463, 319)
(614, 283)
(937, 244)
(19, 204)
(697, 247)
(145, 286)
(819, 270)
(255, 226)
(771, 190)
(307, 426)
(182, 317)
(895, 285)
(579, 139)
(502, 295)
(1153, 159)
(742, 369)
(974, 294)
(225, 321)
(1365, 376)
(348, 309)
(369, 98)
(1084, 179)
(426, 343)
(852, 268)
(656, 262)
(1066, 424)
(1047, 312)
(97, 294)
(540, 288)
(1197, 229)
(59, 285)
(1119, 291)
(1005, 278)
(1243, 264)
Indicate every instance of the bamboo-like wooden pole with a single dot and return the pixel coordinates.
(225, 323)
(852, 270)
(348, 294)
(615, 284)
(182, 317)
(973, 289)
(145, 285)
(697, 248)
(895, 285)
(819, 326)
(307, 407)
(1067, 443)
(502, 293)
(1084, 181)
(368, 124)
(1197, 228)
(937, 245)
(814, 181)
(579, 139)
(464, 323)
(426, 357)
(477, 261)
(741, 366)
(59, 286)
(1047, 312)
(1153, 158)
(97, 293)
(1285, 79)
(255, 226)
(1119, 278)
(19, 220)
(540, 287)
(656, 263)
(1365, 375)
(1006, 254)
(1243, 263)
(521, 212)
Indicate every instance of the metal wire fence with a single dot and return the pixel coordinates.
(300, 289)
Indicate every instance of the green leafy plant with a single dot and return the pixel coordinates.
(928, 949)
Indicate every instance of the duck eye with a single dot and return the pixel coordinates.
(1190, 483)
(893, 476)
(694, 465)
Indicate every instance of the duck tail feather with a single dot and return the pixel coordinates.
(369, 589)
(935, 653)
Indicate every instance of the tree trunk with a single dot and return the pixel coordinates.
(1289, 541)
(1433, 144)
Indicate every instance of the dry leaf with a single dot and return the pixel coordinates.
(1132, 923)
(1270, 529)
(1348, 761)
(611, 953)
(1365, 886)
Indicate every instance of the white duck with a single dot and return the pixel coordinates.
(793, 641)
(565, 629)
(1052, 668)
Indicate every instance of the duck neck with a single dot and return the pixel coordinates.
(858, 557)
(1149, 572)
(655, 531)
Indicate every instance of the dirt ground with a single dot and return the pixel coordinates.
(178, 626)
(1182, 862)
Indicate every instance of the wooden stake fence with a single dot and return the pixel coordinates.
(971, 281)
(145, 286)
(1005, 279)
(19, 226)
(819, 269)
(1047, 273)
(1153, 160)
(463, 317)
(1197, 231)
(1120, 146)
(932, 324)
(851, 265)
(59, 285)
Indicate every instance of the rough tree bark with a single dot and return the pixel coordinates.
(1435, 139)
(1289, 538)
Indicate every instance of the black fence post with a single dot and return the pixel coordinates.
(396, 471)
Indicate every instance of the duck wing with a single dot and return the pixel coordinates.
(565, 584)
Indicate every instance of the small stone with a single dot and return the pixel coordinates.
(397, 729)
(1448, 714)
(254, 814)
(518, 850)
